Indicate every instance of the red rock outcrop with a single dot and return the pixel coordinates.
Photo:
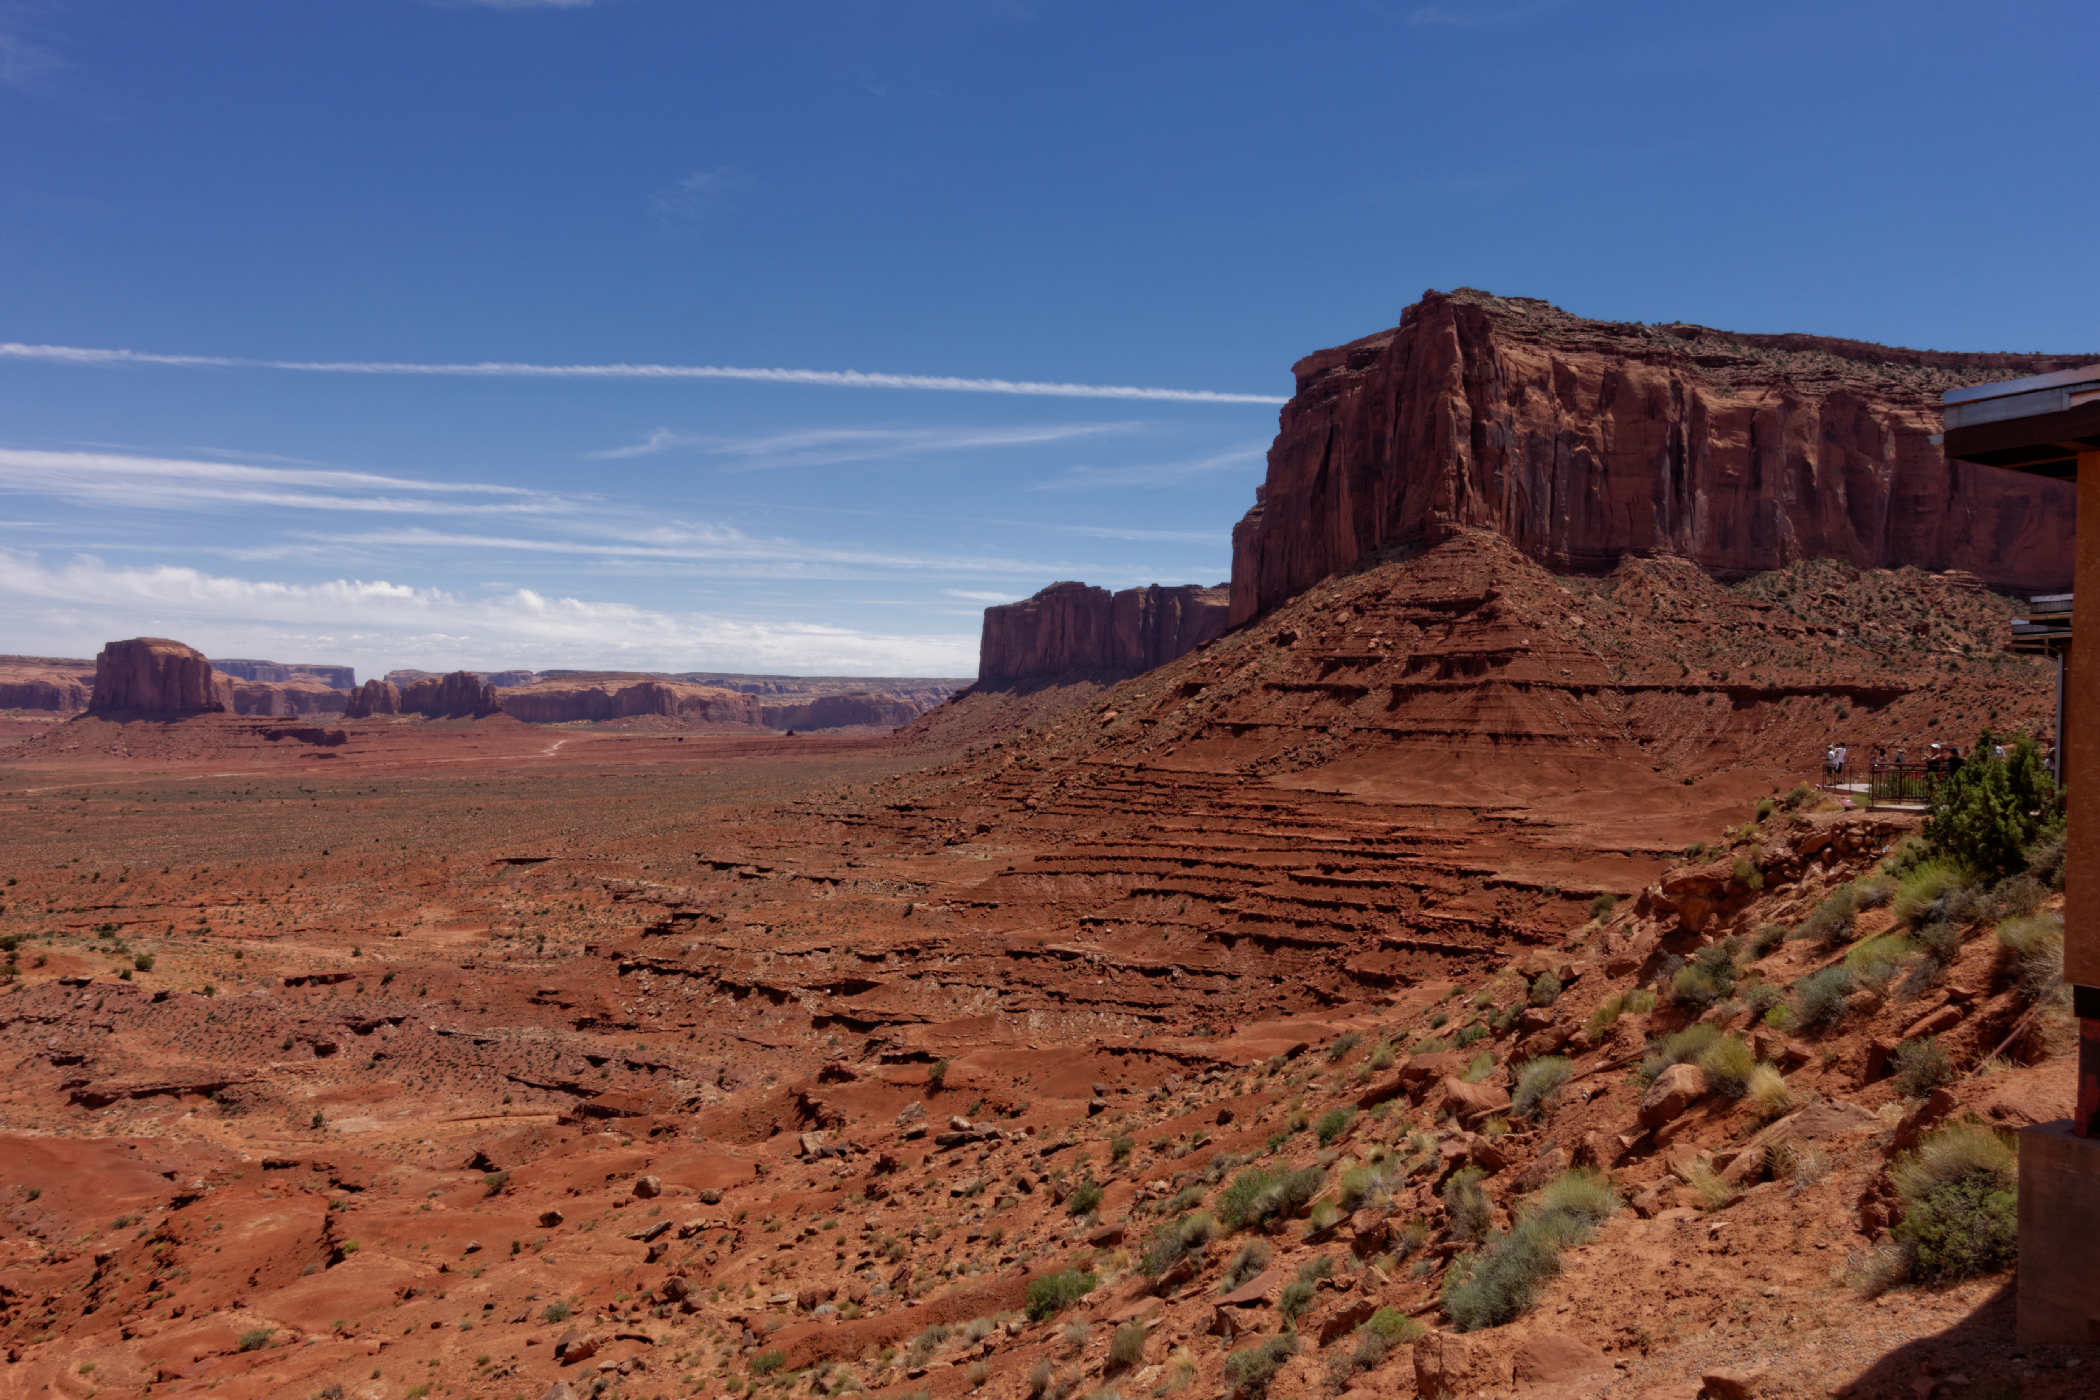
(301, 695)
(1586, 441)
(45, 683)
(374, 697)
(575, 697)
(460, 695)
(842, 712)
(153, 675)
(1075, 627)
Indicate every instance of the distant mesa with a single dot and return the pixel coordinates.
(599, 696)
(460, 695)
(1070, 628)
(334, 677)
(502, 680)
(61, 684)
(1586, 442)
(157, 676)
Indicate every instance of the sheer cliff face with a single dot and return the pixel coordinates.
(1074, 627)
(1585, 441)
(153, 675)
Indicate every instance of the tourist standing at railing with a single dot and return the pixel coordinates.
(1842, 753)
(1830, 764)
(1878, 761)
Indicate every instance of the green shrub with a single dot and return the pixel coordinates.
(1819, 998)
(143, 962)
(1921, 1066)
(1799, 797)
(1085, 1197)
(1250, 1259)
(1960, 1204)
(1381, 1056)
(1297, 1296)
(1393, 1325)
(1360, 1186)
(494, 1182)
(767, 1362)
(1873, 891)
(256, 1338)
(556, 1311)
(1236, 1203)
(1926, 883)
(1498, 1283)
(1635, 1002)
(1053, 1293)
(1873, 961)
(1602, 905)
(1537, 1083)
(1288, 1194)
(1479, 1067)
(2045, 859)
(1471, 1035)
(1545, 990)
(1759, 997)
(1121, 1146)
(1747, 875)
(1727, 1064)
(1829, 924)
(1250, 1369)
(1126, 1346)
(1767, 939)
(1466, 1205)
(1332, 1124)
(1765, 808)
(1987, 813)
(1342, 1046)
(1681, 1048)
(1315, 1269)
(1695, 987)
(2034, 952)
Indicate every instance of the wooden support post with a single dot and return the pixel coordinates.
(2079, 743)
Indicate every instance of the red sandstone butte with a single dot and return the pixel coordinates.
(460, 695)
(1583, 442)
(153, 675)
(1075, 627)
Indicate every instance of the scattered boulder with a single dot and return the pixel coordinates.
(648, 1187)
(1469, 1103)
(1674, 1090)
(1450, 1367)
(549, 1219)
(1556, 1359)
(1734, 1383)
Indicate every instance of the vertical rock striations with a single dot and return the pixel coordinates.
(374, 697)
(459, 695)
(1074, 627)
(1586, 441)
(153, 675)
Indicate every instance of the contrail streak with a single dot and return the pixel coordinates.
(849, 379)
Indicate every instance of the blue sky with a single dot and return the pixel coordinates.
(1175, 197)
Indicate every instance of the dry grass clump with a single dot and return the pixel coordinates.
(1706, 1184)
(1960, 1196)
(1537, 1083)
(1728, 1064)
(1637, 1001)
(1500, 1281)
(2034, 953)
(1769, 1094)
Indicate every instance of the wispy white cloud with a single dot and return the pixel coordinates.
(828, 446)
(691, 199)
(1085, 478)
(114, 479)
(725, 551)
(73, 608)
(977, 596)
(847, 379)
